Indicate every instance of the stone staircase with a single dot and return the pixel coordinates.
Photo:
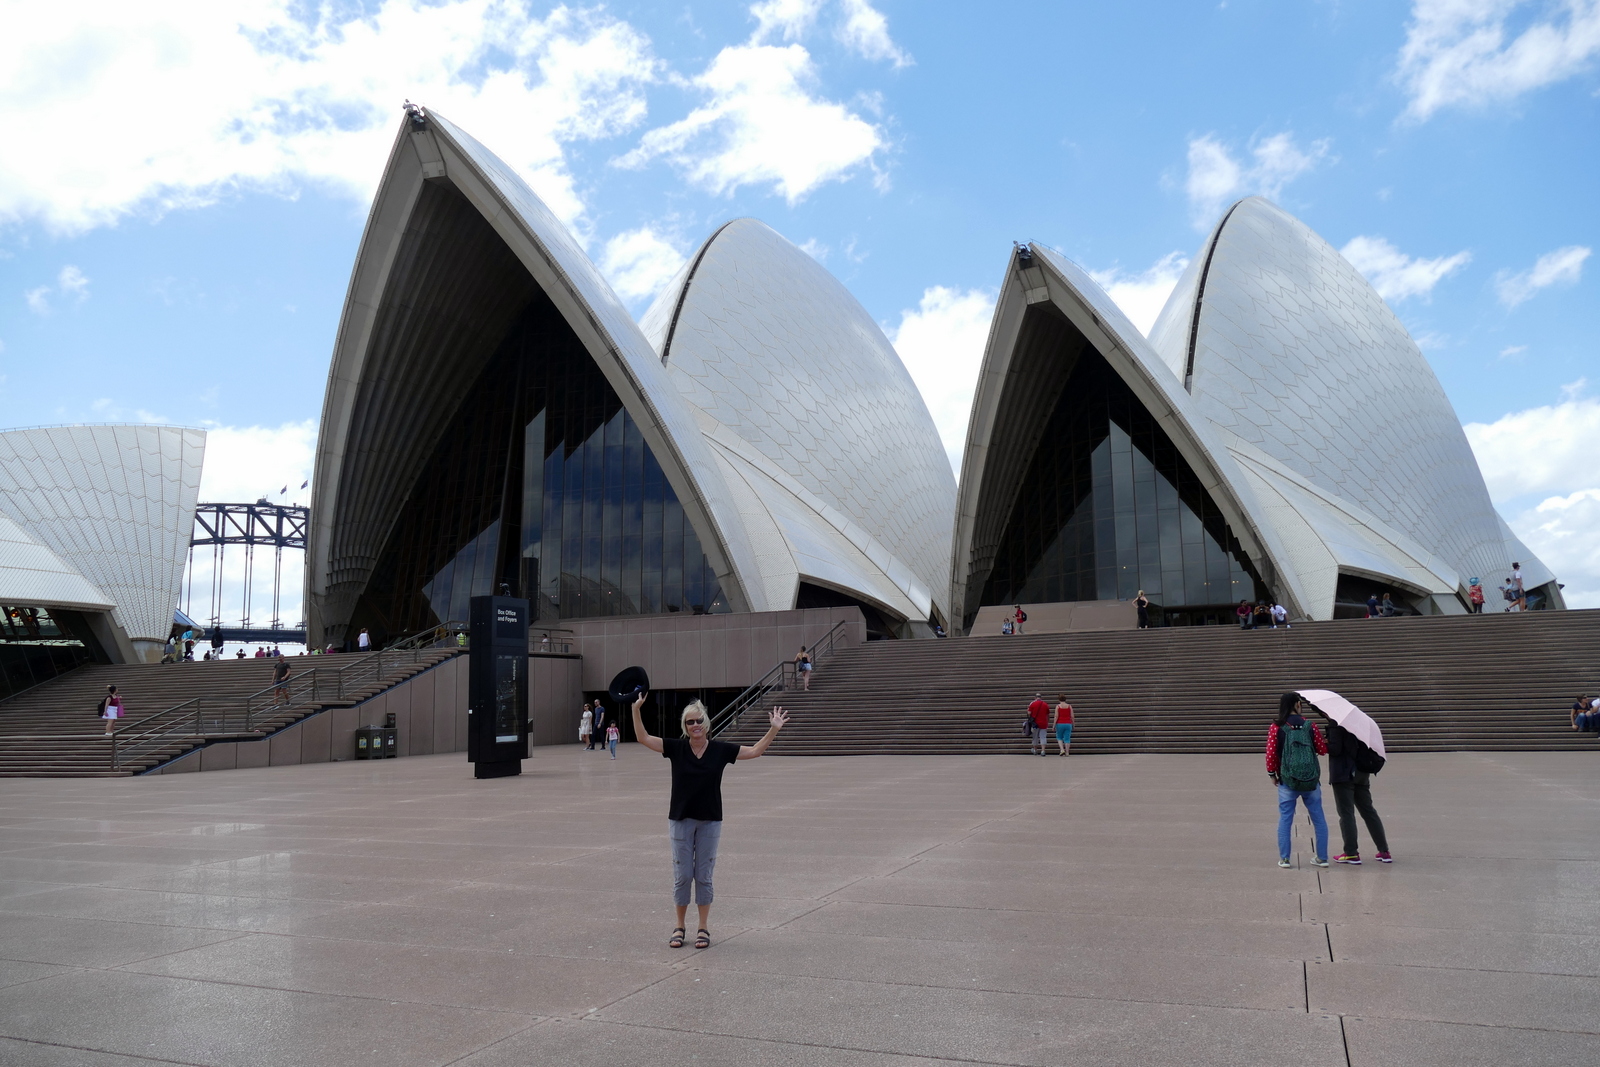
(52, 730)
(1433, 683)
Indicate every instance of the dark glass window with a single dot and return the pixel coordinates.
(542, 482)
(1108, 507)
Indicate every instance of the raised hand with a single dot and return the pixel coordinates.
(779, 718)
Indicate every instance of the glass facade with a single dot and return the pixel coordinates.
(36, 646)
(543, 482)
(1108, 507)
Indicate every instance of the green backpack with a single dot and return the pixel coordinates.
(1298, 768)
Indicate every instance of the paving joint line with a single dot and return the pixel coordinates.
(818, 1045)
(105, 1052)
(1000, 992)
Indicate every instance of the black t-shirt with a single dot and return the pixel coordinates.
(697, 783)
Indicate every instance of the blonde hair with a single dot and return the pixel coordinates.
(695, 706)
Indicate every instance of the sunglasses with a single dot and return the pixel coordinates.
(694, 722)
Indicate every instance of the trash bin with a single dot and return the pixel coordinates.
(369, 742)
(391, 741)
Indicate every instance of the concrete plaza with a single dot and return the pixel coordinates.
(871, 911)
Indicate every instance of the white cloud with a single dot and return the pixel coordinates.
(1564, 266)
(639, 262)
(71, 282)
(815, 249)
(1561, 531)
(1460, 52)
(1216, 177)
(1539, 466)
(1512, 351)
(244, 463)
(1142, 296)
(176, 104)
(941, 343)
(1548, 449)
(786, 19)
(866, 32)
(762, 126)
(1396, 275)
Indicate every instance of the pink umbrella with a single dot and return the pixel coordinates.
(1347, 715)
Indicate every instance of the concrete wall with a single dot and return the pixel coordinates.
(1065, 617)
(430, 712)
(702, 651)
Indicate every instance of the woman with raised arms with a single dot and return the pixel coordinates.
(694, 817)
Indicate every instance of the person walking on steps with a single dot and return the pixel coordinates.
(694, 815)
(1141, 604)
(802, 667)
(1518, 588)
(1292, 749)
(1018, 617)
(1351, 766)
(586, 728)
(111, 709)
(364, 640)
(1039, 715)
(1063, 722)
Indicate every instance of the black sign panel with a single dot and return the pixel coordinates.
(497, 689)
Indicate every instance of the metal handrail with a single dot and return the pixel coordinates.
(775, 680)
(429, 638)
(311, 686)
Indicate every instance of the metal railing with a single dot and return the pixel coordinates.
(210, 717)
(445, 635)
(780, 678)
(551, 640)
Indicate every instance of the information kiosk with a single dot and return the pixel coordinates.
(497, 686)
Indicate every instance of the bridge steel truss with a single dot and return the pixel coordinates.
(262, 524)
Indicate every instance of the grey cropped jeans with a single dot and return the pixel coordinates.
(694, 856)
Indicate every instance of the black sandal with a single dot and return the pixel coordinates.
(702, 938)
(676, 940)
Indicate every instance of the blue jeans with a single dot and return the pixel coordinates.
(1319, 825)
(694, 856)
(611, 743)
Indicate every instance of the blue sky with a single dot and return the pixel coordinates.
(184, 184)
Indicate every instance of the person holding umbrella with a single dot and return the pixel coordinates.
(1355, 754)
(694, 816)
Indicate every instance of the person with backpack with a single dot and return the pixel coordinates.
(111, 708)
(1351, 766)
(1293, 746)
(1019, 618)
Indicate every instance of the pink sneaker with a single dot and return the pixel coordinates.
(1384, 857)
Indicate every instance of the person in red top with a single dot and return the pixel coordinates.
(1019, 617)
(1475, 596)
(1063, 725)
(1289, 718)
(1039, 714)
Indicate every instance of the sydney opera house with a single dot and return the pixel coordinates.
(495, 419)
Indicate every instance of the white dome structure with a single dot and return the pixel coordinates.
(1278, 436)
(495, 417)
(821, 433)
(97, 520)
(1334, 415)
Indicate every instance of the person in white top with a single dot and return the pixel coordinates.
(586, 728)
(365, 640)
(1280, 616)
(1516, 587)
